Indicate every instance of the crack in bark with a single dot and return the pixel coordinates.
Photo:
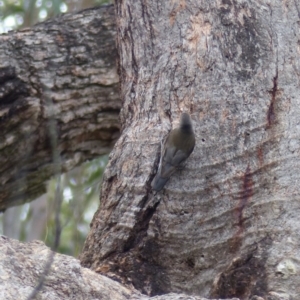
(12, 88)
(271, 116)
(134, 60)
(139, 231)
(246, 194)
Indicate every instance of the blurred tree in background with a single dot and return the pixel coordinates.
(16, 14)
(80, 188)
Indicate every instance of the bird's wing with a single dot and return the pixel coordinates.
(166, 167)
(178, 158)
(171, 160)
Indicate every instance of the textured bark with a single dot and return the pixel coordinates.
(228, 224)
(59, 100)
(21, 266)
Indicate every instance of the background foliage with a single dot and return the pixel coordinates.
(15, 14)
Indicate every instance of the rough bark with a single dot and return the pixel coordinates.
(228, 224)
(21, 266)
(59, 100)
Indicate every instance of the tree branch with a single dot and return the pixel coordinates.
(23, 264)
(64, 70)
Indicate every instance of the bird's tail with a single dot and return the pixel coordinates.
(159, 182)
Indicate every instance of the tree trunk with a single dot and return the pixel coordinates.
(11, 228)
(228, 224)
(59, 100)
(38, 219)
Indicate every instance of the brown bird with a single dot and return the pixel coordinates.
(178, 147)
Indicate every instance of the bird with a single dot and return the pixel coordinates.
(177, 148)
